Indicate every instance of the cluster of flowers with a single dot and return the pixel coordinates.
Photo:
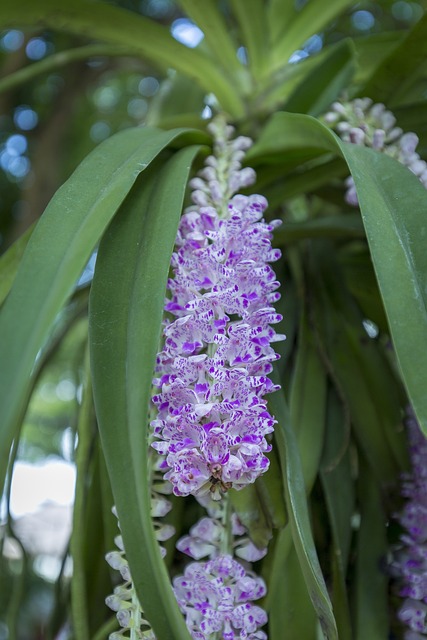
(410, 565)
(372, 125)
(212, 424)
(124, 601)
(217, 595)
(212, 419)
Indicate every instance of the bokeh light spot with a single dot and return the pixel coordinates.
(36, 49)
(186, 32)
(25, 118)
(12, 40)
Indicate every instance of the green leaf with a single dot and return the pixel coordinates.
(125, 322)
(359, 275)
(179, 102)
(57, 252)
(392, 201)
(298, 516)
(305, 179)
(339, 226)
(336, 471)
(246, 503)
(302, 24)
(79, 595)
(287, 133)
(209, 18)
(391, 80)
(361, 375)
(58, 60)
(290, 607)
(9, 262)
(252, 20)
(324, 84)
(371, 583)
(308, 403)
(269, 489)
(147, 38)
(371, 51)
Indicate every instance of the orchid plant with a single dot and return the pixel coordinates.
(257, 433)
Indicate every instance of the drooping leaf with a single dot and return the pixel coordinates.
(371, 581)
(338, 489)
(307, 404)
(56, 254)
(109, 24)
(125, 321)
(290, 606)
(390, 198)
(57, 60)
(296, 502)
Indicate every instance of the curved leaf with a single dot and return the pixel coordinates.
(303, 23)
(307, 403)
(392, 78)
(338, 226)
(107, 23)
(393, 203)
(297, 616)
(211, 21)
(336, 472)
(9, 262)
(252, 20)
(298, 516)
(58, 60)
(371, 605)
(321, 86)
(56, 254)
(126, 310)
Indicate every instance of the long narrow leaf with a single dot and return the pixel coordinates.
(299, 518)
(107, 23)
(9, 262)
(55, 256)
(390, 81)
(209, 18)
(307, 403)
(252, 19)
(125, 320)
(324, 84)
(392, 202)
(304, 23)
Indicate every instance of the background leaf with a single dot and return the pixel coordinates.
(324, 84)
(113, 25)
